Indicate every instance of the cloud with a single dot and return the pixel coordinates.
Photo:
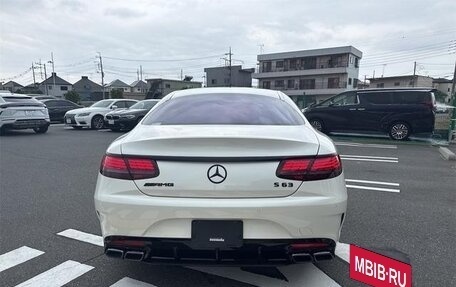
(123, 12)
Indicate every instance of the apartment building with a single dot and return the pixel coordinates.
(310, 75)
(408, 81)
(234, 76)
(158, 88)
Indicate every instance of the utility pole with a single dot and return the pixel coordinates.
(140, 71)
(33, 71)
(230, 54)
(414, 73)
(53, 72)
(102, 75)
(45, 77)
(365, 80)
(182, 75)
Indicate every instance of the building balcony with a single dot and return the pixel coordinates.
(277, 73)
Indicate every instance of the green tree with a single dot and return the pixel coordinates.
(117, 94)
(72, 96)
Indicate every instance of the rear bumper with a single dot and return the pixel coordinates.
(18, 124)
(125, 211)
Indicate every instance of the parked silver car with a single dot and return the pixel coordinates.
(22, 112)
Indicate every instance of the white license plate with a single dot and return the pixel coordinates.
(68, 121)
(111, 122)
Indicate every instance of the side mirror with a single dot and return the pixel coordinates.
(113, 107)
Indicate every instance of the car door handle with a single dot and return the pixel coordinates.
(361, 109)
(352, 109)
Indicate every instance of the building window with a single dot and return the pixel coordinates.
(448, 89)
(213, 82)
(349, 81)
(279, 64)
(266, 85)
(307, 84)
(333, 83)
(293, 63)
(168, 86)
(49, 87)
(310, 63)
(63, 88)
(397, 84)
(267, 67)
(355, 83)
(356, 62)
(279, 83)
(380, 85)
(291, 84)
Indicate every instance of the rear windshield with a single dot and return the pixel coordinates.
(224, 109)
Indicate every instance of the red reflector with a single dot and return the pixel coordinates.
(128, 167)
(310, 245)
(128, 243)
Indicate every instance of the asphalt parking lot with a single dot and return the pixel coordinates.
(402, 200)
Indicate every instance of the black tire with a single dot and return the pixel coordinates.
(97, 122)
(399, 131)
(77, 128)
(41, 130)
(317, 124)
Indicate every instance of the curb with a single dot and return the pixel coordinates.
(447, 154)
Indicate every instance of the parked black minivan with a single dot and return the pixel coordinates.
(398, 112)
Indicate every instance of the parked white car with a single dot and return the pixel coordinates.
(22, 112)
(93, 116)
(240, 178)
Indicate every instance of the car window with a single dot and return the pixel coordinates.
(51, 104)
(130, 103)
(120, 104)
(224, 109)
(344, 99)
(144, 105)
(102, 104)
(412, 97)
(377, 98)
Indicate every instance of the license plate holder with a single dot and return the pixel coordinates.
(222, 234)
(111, 122)
(68, 121)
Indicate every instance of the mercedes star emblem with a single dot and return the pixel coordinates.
(216, 174)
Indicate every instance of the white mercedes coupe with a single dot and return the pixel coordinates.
(228, 176)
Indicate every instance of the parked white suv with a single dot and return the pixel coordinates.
(93, 116)
(22, 112)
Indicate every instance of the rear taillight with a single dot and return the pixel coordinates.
(316, 168)
(128, 167)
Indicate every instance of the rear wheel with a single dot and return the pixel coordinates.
(399, 131)
(317, 124)
(41, 130)
(97, 122)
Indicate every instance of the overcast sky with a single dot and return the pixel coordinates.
(166, 35)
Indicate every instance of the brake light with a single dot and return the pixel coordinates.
(128, 167)
(305, 169)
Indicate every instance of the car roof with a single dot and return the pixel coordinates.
(225, 90)
(423, 89)
(16, 96)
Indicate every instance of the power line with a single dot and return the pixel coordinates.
(417, 49)
(164, 60)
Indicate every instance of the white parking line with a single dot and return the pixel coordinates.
(343, 251)
(372, 182)
(369, 159)
(17, 256)
(58, 276)
(82, 236)
(372, 188)
(128, 282)
(365, 145)
(369, 156)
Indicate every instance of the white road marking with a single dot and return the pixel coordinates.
(365, 145)
(372, 188)
(368, 159)
(369, 156)
(17, 256)
(343, 251)
(128, 282)
(372, 182)
(58, 276)
(82, 236)
(297, 275)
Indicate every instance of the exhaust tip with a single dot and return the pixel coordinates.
(301, 257)
(134, 255)
(323, 255)
(115, 253)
